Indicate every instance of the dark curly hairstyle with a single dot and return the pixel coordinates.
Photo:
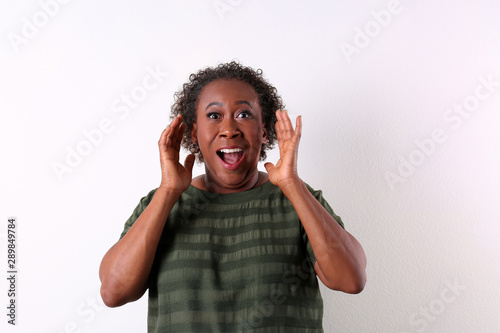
(186, 100)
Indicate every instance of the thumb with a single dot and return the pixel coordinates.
(269, 167)
(189, 162)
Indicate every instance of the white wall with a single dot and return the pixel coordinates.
(369, 103)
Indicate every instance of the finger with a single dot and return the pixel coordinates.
(176, 121)
(179, 135)
(287, 125)
(177, 132)
(168, 138)
(269, 167)
(188, 163)
(277, 127)
(280, 132)
(295, 140)
(162, 142)
(298, 130)
(278, 124)
(166, 151)
(175, 124)
(169, 131)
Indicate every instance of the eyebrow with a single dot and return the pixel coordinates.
(220, 104)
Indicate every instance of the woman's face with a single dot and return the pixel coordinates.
(229, 132)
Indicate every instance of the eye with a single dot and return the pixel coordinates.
(244, 114)
(213, 115)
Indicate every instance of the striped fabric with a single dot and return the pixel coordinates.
(237, 262)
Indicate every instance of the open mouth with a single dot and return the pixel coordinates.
(230, 156)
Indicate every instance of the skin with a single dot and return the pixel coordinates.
(228, 114)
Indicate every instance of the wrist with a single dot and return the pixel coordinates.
(291, 186)
(169, 192)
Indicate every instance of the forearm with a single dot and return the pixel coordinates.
(125, 268)
(340, 259)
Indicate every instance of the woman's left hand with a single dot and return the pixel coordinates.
(284, 173)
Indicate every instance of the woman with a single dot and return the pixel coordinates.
(234, 249)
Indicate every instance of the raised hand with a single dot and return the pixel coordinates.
(174, 176)
(284, 173)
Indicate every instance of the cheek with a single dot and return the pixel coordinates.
(258, 133)
(206, 136)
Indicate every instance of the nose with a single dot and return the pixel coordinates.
(229, 129)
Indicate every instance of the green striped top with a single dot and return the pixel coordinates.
(238, 262)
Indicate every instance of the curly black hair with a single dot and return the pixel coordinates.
(186, 100)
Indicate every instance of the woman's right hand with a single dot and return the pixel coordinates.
(174, 176)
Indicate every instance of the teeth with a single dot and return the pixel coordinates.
(228, 151)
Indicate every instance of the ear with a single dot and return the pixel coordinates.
(264, 133)
(194, 134)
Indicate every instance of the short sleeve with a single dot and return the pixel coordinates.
(143, 203)
(319, 196)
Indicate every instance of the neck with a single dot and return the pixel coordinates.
(252, 181)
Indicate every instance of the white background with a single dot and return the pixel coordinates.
(434, 227)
